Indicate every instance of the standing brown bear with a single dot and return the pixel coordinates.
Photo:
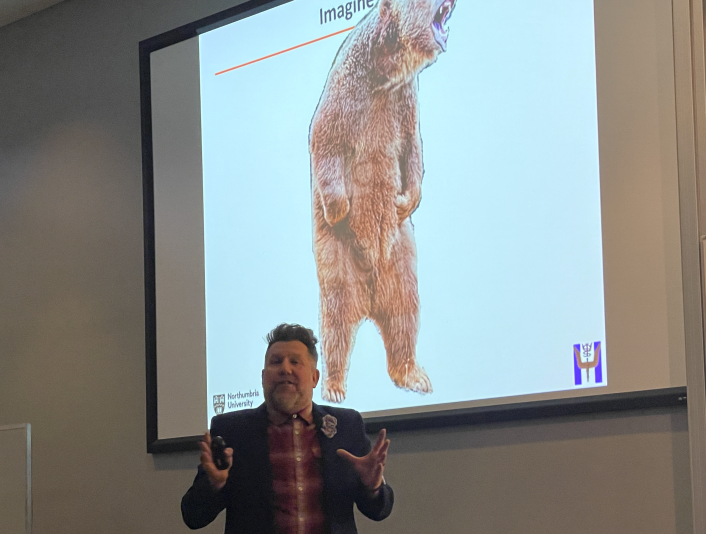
(366, 169)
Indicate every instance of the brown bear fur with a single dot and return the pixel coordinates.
(366, 166)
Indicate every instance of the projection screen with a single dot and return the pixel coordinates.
(473, 205)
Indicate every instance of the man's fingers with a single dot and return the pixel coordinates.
(205, 443)
(384, 447)
(371, 466)
(382, 458)
(216, 477)
(380, 454)
(381, 439)
(208, 465)
(206, 456)
(205, 449)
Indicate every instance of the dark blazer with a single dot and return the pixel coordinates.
(248, 496)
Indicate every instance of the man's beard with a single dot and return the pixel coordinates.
(289, 402)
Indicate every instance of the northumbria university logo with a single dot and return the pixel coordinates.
(587, 357)
(219, 403)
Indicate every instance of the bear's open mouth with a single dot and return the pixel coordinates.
(438, 25)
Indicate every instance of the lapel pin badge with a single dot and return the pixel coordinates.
(328, 426)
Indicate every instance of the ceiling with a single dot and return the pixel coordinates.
(12, 10)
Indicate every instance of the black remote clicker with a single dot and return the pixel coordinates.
(218, 452)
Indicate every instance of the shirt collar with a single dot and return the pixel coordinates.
(277, 418)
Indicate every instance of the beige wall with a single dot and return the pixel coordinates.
(72, 329)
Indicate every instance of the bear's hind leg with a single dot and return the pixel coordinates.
(342, 309)
(396, 312)
(337, 339)
(399, 336)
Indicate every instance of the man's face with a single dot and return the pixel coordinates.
(289, 377)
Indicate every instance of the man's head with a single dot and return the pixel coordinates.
(290, 373)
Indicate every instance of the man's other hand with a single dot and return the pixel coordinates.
(217, 477)
(371, 466)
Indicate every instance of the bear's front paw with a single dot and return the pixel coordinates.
(336, 210)
(405, 206)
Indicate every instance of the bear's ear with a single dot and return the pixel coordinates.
(387, 31)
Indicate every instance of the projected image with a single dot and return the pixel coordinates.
(417, 181)
(366, 168)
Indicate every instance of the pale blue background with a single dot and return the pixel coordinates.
(508, 231)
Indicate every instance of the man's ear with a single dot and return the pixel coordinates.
(316, 377)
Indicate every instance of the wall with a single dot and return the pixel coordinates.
(72, 329)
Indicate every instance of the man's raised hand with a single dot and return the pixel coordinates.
(217, 477)
(371, 466)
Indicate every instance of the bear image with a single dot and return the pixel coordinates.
(366, 173)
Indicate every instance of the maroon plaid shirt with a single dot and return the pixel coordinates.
(297, 482)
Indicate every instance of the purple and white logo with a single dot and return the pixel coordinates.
(588, 367)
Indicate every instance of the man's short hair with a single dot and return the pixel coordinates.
(294, 332)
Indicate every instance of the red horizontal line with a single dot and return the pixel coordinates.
(286, 50)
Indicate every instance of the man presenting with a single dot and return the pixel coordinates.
(294, 467)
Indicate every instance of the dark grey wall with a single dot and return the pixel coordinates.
(72, 329)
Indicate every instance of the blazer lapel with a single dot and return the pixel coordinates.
(260, 454)
(328, 445)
